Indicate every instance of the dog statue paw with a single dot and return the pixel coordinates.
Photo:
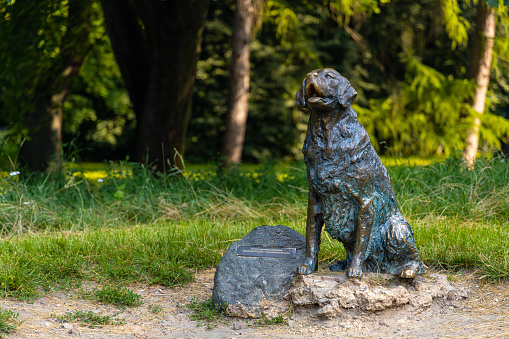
(309, 266)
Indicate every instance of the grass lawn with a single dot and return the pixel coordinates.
(126, 225)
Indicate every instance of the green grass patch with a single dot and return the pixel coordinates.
(118, 296)
(206, 312)
(91, 319)
(8, 322)
(155, 309)
(266, 321)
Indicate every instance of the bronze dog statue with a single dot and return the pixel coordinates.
(349, 188)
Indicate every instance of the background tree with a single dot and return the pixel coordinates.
(156, 44)
(39, 69)
(274, 128)
(236, 116)
(480, 69)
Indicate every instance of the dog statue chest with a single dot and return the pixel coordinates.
(328, 175)
(328, 155)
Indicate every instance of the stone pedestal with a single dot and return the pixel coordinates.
(332, 296)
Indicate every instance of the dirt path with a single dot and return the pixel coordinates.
(484, 315)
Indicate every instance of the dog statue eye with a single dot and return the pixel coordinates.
(330, 76)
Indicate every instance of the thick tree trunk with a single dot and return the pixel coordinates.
(480, 65)
(236, 119)
(158, 64)
(43, 150)
(130, 47)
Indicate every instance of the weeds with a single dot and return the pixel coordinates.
(91, 319)
(207, 312)
(7, 321)
(155, 309)
(266, 321)
(118, 296)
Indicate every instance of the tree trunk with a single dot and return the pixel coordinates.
(480, 65)
(158, 64)
(43, 150)
(130, 47)
(236, 119)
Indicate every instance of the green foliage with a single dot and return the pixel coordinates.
(7, 322)
(91, 319)
(155, 309)
(429, 115)
(119, 296)
(410, 87)
(348, 8)
(275, 127)
(31, 33)
(206, 311)
(266, 321)
(413, 96)
(98, 111)
(497, 3)
(455, 25)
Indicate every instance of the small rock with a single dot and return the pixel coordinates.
(236, 327)
(455, 304)
(67, 326)
(75, 332)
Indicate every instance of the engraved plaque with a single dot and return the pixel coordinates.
(273, 252)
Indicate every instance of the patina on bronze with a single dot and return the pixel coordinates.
(272, 252)
(349, 188)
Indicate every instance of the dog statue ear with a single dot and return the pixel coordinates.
(346, 93)
(299, 96)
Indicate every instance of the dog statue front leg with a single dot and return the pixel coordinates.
(314, 225)
(365, 219)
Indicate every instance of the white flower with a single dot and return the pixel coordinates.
(14, 173)
(26, 202)
(100, 180)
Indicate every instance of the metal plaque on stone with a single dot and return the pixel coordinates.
(273, 252)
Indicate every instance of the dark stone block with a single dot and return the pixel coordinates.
(252, 285)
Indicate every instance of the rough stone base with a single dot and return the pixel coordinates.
(332, 296)
(268, 308)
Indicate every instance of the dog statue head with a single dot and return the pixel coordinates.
(325, 89)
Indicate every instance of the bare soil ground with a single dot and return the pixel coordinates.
(485, 314)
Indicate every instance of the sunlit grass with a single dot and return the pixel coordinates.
(97, 171)
(410, 161)
(100, 171)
